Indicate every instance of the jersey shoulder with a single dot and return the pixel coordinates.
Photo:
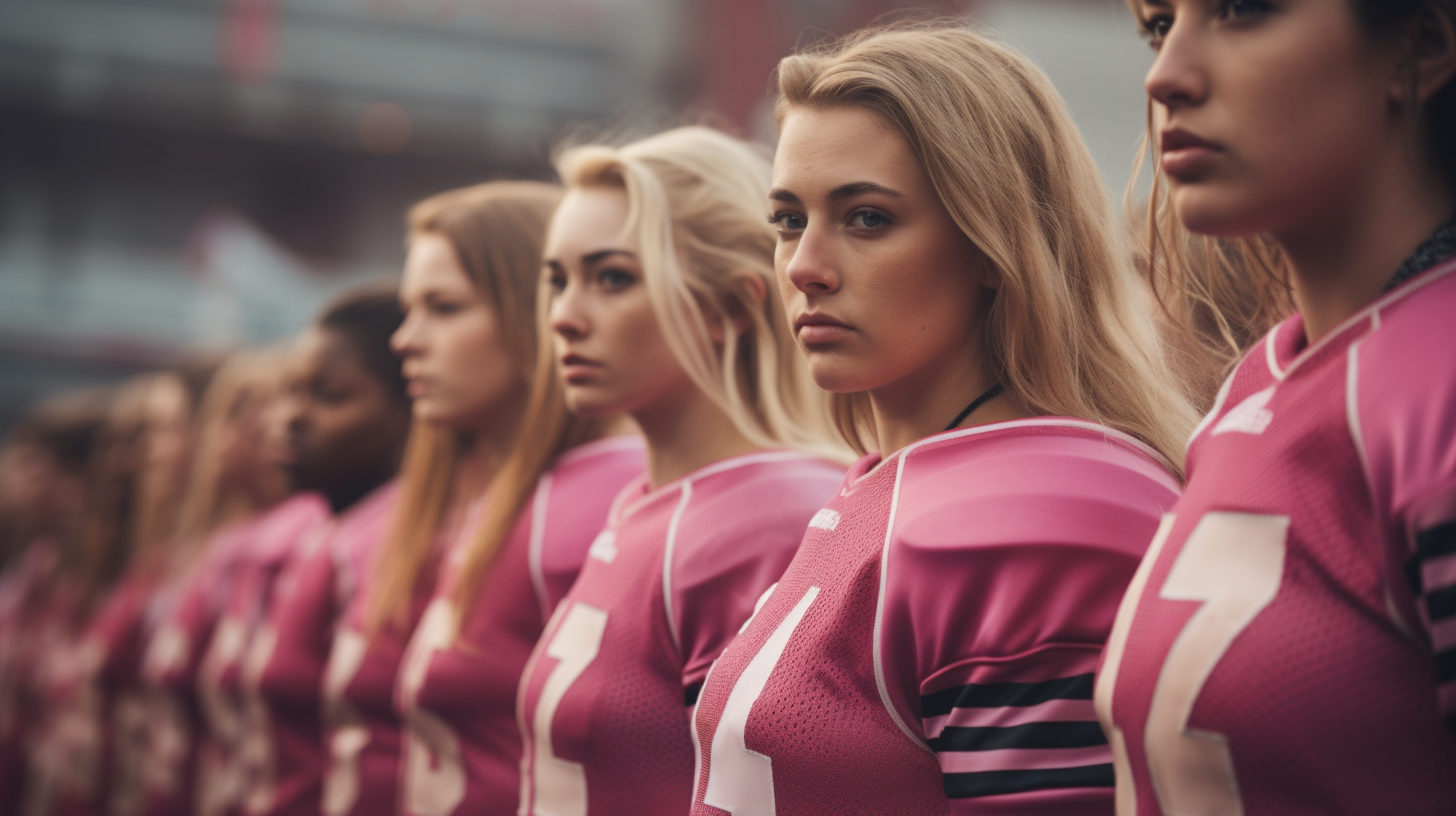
(772, 496)
(1401, 394)
(1050, 482)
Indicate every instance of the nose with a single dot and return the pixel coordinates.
(809, 264)
(1177, 78)
(406, 339)
(566, 316)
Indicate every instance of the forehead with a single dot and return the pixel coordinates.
(589, 219)
(323, 349)
(432, 264)
(830, 146)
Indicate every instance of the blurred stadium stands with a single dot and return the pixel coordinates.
(179, 175)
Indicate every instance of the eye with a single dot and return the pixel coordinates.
(615, 279)
(1154, 28)
(444, 308)
(787, 222)
(1244, 9)
(868, 219)
(556, 282)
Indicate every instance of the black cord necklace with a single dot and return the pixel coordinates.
(975, 403)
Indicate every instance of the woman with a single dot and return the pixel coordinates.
(232, 485)
(1287, 646)
(659, 265)
(346, 412)
(946, 256)
(471, 289)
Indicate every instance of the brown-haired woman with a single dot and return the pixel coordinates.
(470, 349)
(1289, 644)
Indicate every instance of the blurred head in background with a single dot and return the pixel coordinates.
(43, 469)
(468, 344)
(343, 413)
(233, 473)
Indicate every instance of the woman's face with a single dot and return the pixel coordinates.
(610, 351)
(167, 432)
(881, 286)
(339, 424)
(1271, 116)
(461, 375)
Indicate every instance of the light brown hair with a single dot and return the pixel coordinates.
(1070, 329)
(496, 230)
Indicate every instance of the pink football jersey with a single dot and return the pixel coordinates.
(283, 667)
(931, 648)
(188, 610)
(1289, 644)
(605, 700)
(291, 525)
(463, 748)
(362, 731)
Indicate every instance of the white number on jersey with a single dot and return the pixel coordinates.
(434, 778)
(560, 786)
(740, 780)
(347, 733)
(1234, 563)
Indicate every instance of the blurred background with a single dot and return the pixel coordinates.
(180, 176)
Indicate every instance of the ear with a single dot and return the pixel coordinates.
(752, 291)
(1432, 56)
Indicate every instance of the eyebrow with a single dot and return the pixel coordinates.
(591, 257)
(839, 193)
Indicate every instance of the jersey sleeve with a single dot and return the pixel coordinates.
(1001, 587)
(727, 552)
(1402, 404)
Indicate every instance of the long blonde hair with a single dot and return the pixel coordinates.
(1070, 329)
(496, 230)
(211, 500)
(696, 202)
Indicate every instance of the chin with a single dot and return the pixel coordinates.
(585, 403)
(838, 376)
(1214, 213)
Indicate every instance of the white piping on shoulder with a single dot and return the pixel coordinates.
(667, 558)
(537, 549)
(1218, 402)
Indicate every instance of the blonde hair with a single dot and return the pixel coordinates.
(1070, 329)
(496, 230)
(696, 202)
(210, 501)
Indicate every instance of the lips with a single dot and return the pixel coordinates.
(576, 369)
(1186, 156)
(817, 329)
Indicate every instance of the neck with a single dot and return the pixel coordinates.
(919, 406)
(690, 433)
(1341, 263)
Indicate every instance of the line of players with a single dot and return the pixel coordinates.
(590, 589)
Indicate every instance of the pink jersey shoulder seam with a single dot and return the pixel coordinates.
(876, 652)
(536, 544)
(667, 561)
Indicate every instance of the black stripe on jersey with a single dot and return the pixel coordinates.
(690, 694)
(1436, 542)
(997, 695)
(1446, 666)
(1030, 735)
(994, 783)
(1441, 604)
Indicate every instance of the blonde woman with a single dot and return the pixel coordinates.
(947, 259)
(660, 265)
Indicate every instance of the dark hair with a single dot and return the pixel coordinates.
(1384, 18)
(368, 316)
(68, 427)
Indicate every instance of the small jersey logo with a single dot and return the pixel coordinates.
(1249, 416)
(604, 547)
(825, 520)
